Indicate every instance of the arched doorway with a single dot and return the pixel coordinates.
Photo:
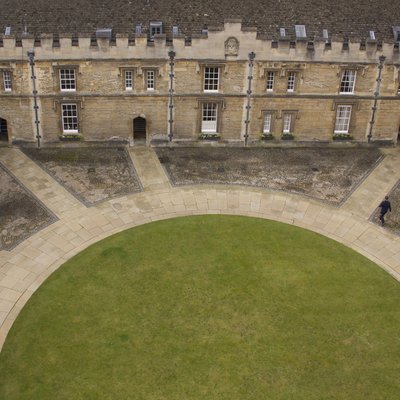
(3, 130)
(139, 128)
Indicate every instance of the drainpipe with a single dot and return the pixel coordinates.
(171, 55)
(376, 96)
(31, 56)
(252, 56)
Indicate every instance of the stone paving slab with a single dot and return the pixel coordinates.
(23, 269)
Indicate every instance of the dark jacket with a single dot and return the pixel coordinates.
(385, 206)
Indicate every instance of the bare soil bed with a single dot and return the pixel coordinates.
(92, 174)
(325, 174)
(392, 219)
(21, 214)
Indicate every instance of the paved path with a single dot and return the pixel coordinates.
(23, 269)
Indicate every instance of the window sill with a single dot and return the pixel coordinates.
(71, 137)
(267, 136)
(342, 136)
(209, 136)
(287, 136)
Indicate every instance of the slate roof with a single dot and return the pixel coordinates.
(353, 18)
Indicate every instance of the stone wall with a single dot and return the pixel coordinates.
(106, 110)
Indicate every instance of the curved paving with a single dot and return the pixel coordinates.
(23, 269)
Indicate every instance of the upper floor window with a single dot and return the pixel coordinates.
(67, 79)
(348, 81)
(150, 79)
(342, 121)
(128, 80)
(291, 81)
(211, 79)
(270, 81)
(7, 81)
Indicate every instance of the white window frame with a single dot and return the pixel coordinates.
(348, 81)
(209, 117)
(300, 31)
(267, 123)
(270, 81)
(128, 79)
(291, 81)
(211, 79)
(7, 81)
(67, 79)
(156, 28)
(150, 80)
(343, 118)
(69, 118)
(398, 82)
(287, 123)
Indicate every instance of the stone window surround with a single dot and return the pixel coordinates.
(355, 107)
(270, 83)
(76, 107)
(200, 69)
(56, 75)
(274, 115)
(294, 115)
(121, 75)
(359, 71)
(57, 107)
(3, 72)
(336, 131)
(220, 108)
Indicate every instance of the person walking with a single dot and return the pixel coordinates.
(385, 206)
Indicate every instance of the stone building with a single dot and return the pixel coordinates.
(153, 70)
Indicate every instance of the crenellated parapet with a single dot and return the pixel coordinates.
(231, 42)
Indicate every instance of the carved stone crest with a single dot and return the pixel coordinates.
(231, 46)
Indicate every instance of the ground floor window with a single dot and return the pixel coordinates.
(342, 123)
(209, 118)
(69, 118)
(287, 123)
(267, 125)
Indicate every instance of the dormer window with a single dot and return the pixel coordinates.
(282, 32)
(155, 29)
(396, 33)
(138, 29)
(372, 35)
(175, 30)
(300, 31)
(7, 31)
(325, 35)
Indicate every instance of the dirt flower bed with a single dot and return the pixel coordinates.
(91, 174)
(325, 174)
(392, 219)
(21, 214)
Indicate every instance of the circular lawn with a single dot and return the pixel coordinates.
(208, 307)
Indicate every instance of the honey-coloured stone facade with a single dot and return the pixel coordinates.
(122, 89)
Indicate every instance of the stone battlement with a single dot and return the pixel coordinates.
(230, 42)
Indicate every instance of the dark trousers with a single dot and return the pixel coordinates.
(381, 217)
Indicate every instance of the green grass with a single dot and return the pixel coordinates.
(208, 307)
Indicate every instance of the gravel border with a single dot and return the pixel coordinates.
(51, 216)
